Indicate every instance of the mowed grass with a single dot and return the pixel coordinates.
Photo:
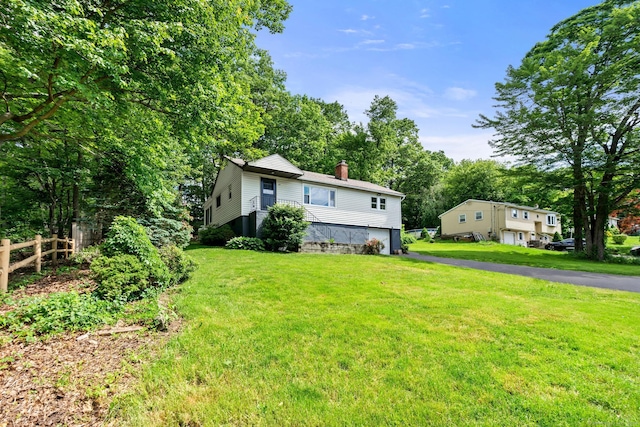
(509, 254)
(334, 340)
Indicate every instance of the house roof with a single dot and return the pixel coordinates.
(279, 166)
(505, 204)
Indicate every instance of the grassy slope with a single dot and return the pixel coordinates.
(304, 339)
(509, 254)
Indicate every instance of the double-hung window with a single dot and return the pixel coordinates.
(525, 215)
(514, 213)
(551, 219)
(319, 196)
(462, 218)
(479, 216)
(379, 203)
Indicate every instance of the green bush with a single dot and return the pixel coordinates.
(556, 237)
(407, 239)
(87, 255)
(284, 227)
(248, 243)
(216, 236)
(127, 237)
(424, 234)
(373, 247)
(619, 239)
(180, 265)
(57, 313)
(120, 278)
(167, 232)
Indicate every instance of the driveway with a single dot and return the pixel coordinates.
(596, 280)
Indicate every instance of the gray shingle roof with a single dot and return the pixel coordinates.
(282, 167)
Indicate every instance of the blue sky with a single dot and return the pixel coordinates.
(439, 60)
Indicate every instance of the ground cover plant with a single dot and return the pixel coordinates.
(517, 255)
(310, 339)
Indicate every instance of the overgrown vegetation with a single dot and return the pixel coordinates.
(126, 268)
(373, 247)
(284, 228)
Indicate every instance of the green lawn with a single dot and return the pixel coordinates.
(326, 340)
(509, 254)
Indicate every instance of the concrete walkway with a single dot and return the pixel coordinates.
(597, 280)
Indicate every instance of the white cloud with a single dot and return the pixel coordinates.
(460, 146)
(372, 42)
(424, 13)
(405, 46)
(349, 31)
(446, 6)
(367, 17)
(459, 94)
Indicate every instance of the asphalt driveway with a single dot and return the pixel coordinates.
(596, 280)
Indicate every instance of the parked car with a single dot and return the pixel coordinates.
(563, 245)
(635, 251)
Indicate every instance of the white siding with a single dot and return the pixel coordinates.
(229, 208)
(353, 207)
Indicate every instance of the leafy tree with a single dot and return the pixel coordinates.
(474, 179)
(574, 103)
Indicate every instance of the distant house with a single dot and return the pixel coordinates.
(505, 222)
(340, 209)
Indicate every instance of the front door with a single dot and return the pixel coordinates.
(267, 193)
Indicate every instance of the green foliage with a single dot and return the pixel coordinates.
(216, 236)
(556, 237)
(407, 238)
(284, 228)
(374, 246)
(127, 237)
(87, 255)
(248, 243)
(58, 312)
(424, 233)
(180, 264)
(619, 239)
(120, 277)
(167, 231)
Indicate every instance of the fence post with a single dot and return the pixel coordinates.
(54, 255)
(66, 248)
(5, 254)
(37, 251)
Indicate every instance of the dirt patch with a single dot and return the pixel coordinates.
(63, 380)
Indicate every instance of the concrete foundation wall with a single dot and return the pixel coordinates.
(332, 248)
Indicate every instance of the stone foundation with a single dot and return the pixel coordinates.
(332, 248)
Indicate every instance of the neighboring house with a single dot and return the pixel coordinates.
(341, 210)
(505, 222)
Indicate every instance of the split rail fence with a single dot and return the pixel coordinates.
(38, 254)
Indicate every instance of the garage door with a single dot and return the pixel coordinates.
(381, 234)
(509, 237)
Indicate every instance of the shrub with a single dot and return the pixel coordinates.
(619, 239)
(407, 239)
(180, 265)
(373, 246)
(57, 313)
(168, 232)
(424, 233)
(87, 255)
(127, 237)
(284, 227)
(120, 278)
(556, 237)
(216, 236)
(248, 243)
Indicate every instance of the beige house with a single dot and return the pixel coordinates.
(505, 222)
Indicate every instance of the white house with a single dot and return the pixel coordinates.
(340, 209)
(508, 223)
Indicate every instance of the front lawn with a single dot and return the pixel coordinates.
(306, 339)
(509, 254)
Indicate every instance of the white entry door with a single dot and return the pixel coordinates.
(381, 234)
(509, 237)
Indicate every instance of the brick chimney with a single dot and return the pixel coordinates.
(342, 170)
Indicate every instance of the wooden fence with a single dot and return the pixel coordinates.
(5, 254)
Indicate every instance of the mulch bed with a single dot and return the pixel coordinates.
(63, 380)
